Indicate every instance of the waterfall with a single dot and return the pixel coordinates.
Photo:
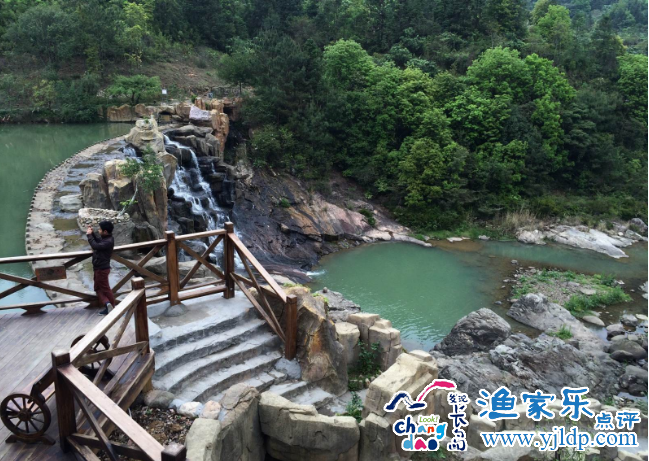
(189, 185)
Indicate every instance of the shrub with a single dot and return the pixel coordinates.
(355, 407)
(368, 359)
(369, 216)
(135, 89)
(284, 203)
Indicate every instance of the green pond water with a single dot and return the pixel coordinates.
(28, 152)
(425, 291)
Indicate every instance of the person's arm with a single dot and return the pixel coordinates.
(97, 243)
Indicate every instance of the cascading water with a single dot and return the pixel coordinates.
(190, 186)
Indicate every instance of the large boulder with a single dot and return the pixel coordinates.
(297, 432)
(524, 363)
(631, 347)
(94, 191)
(72, 202)
(536, 311)
(120, 188)
(169, 165)
(481, 330)
(240, 437)
(634, 380)
(339, 307)
(199, 116)
(123, 113)
(375, 438)
(183, 110)
(146, 134)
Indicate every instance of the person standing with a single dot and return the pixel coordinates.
(102, 249)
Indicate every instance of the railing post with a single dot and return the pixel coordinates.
(172, 268)
(64, 400)
(174, 452)
(290, 348)
(142, 322)
(141, 316)
(228, 256)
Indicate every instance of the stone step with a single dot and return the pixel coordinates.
(289, 390)
(302, 393)
(171, 359)
(183, 376)
(222, 379)
(261, 382)
(314, 396)
(177, 335)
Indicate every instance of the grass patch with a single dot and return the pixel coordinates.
(284, 203)
(580, 305)
(563, 333)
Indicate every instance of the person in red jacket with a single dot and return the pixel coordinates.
(102, 248)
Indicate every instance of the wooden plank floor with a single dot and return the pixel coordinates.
(26, 345)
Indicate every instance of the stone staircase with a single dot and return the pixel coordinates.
(217, 343)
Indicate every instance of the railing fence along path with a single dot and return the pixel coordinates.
(77, 377)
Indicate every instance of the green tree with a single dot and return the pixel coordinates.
(633, 85)
(43, 31)
(555, 28)
(135, 88)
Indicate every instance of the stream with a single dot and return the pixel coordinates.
(425, 291)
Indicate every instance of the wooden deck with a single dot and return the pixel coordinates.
(26, 345)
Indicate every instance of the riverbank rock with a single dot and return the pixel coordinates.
(524, 363)
(338, 306)
(146, 134)
(578, 237)
(535, 310)
(634, 380)
(478, 331)
(202, 440)
(297, 432)
(631, 348)
(240, 438)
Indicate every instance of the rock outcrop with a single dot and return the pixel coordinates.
(297, 432)
(145, 134)
(582, 237)
(338, 306)
(348, 335)
(480, 330)
(536, 311)
(123, 113)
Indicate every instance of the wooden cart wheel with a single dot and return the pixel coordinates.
(102, 344)
(28, 417)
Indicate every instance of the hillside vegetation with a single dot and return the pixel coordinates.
(447, 112)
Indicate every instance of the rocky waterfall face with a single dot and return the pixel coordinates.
(193, 201)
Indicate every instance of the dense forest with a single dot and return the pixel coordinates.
(446, 111)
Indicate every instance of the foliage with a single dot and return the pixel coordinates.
(446, 112)
(284, 203)
(368, 359)
(135, 88)
(369, 216)
(355, 407)
(147, 171)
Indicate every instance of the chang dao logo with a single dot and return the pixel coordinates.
(423, 432)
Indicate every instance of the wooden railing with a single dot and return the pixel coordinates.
(170, 287)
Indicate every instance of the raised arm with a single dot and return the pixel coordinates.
(98, 243)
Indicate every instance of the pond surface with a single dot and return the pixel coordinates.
(28, 152)
(425, 291)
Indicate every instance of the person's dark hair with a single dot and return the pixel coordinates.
(106, 226)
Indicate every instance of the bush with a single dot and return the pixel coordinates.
(369, 216)
(284, 203)
(368, 359)
(355, 407)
